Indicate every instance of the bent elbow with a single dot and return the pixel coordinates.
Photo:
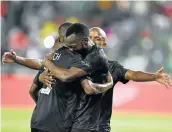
(89, 91)
(111, 85)
(66, 78)
(31, 92)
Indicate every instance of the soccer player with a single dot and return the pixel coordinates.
(37, 64)
(119, 73)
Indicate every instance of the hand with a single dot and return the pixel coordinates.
(8, 57)
(49, 56)
(162, 77)
(46, 78)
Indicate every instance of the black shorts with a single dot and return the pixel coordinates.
(37, 130)
(81, 130)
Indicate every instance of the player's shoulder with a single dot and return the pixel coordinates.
(96, 48)
(63, 48)
(97, 51)
(114, 64)
(65, 51)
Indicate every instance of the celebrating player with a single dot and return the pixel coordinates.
(98, 36)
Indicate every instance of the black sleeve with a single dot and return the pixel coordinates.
(36, 79)
(81, 64)
(98, 62)
(118, 72)
(92, 63)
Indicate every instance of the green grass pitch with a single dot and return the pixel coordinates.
(18, 120)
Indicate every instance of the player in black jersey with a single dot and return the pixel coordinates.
(37, 64)
(119, 73)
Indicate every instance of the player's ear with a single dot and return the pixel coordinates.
(103, 45)
(61, 39)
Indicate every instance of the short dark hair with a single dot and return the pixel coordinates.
(79, 29)
(62, 29)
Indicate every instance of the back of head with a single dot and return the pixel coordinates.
(62, 29)
(78, 29)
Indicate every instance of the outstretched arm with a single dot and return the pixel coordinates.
(11, 56)
(140, 76)
(91, 88)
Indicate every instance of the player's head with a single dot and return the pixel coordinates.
(59, 40)
(77, 36)
(98, 36)
(62, 31)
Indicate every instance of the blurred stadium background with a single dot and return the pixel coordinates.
(139, 37)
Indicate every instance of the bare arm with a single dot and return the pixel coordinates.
(140, 76)
(36, 86)
(62, 73)
(34, 92)
(11, 56)
(95, 88)
(29, 62)
(80, 68)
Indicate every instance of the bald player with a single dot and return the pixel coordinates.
(119, 73)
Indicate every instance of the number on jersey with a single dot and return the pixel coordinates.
(45, 90)
(56, 56)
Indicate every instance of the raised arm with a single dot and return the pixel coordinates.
(11, 56)
(91, 88)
